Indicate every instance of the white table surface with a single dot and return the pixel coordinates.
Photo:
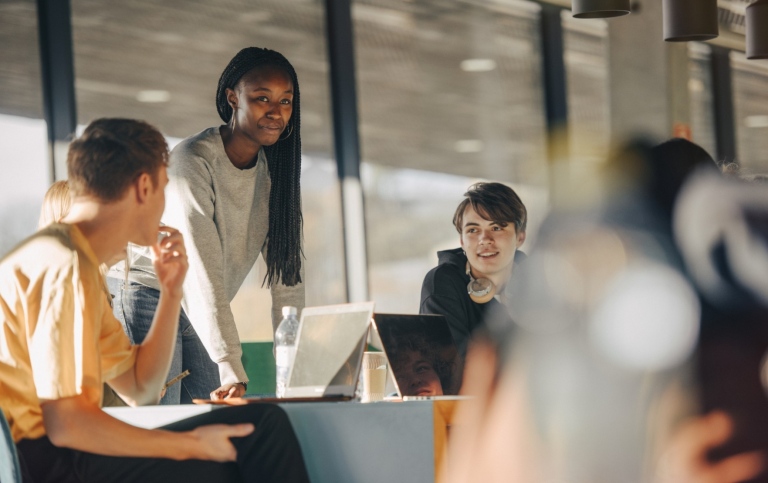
(342, 442)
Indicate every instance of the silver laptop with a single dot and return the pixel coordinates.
(329, 351)
(421, 353)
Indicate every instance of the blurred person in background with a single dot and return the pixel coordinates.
(468, 283)
(599, 382)
(234, 193)
(56, 204)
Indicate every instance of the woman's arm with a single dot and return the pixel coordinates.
(190, 207)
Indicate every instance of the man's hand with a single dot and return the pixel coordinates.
(214, 440)
(227, 391)
(170, 261)
(78, 423)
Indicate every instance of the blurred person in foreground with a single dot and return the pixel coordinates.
(599, 382)
(468, 283)
(59, 339)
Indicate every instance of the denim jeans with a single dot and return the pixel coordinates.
(134, 307)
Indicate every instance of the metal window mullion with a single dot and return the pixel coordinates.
(340, 41)
(58, 79)
(555, 97)
(722, 96)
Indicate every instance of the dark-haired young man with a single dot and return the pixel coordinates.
(59, 339)
(466, 284)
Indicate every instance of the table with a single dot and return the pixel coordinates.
(382, 442)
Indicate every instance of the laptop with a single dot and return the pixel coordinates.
(329, 352)
(422, 354)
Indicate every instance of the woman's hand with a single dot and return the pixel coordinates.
(228, 391)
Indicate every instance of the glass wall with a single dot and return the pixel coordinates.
(700, 91)
(161, 61)
(586, 62)
(750, 100)
(449, 92)
(23, 144)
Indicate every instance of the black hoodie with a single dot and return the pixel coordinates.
(444, 292)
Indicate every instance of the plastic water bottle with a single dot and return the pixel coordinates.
(285, 347)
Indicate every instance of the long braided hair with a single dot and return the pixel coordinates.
(284, 251)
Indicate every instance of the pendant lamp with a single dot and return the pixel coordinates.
(686, 20)
(599, 8)
(757, 30)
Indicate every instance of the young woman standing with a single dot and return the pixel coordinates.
(234, 194)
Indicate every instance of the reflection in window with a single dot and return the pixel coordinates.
(449, 92)
(750, 102)
(161, 62)
(23, 144)
(700, 89)
(586, 63)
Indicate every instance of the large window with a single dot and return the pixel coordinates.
(23, 143)
(750, 100)
(586, 61)
(449, 92)
(700, 90)
(161, 61)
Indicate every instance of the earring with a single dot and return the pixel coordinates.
(290, 131)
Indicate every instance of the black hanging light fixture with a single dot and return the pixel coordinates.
(686, 20)
(599, 8)
(757, 30)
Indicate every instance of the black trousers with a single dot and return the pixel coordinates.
(270, 454)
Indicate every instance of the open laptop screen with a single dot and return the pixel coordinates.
(421, 354)
(329, 350)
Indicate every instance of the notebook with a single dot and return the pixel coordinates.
(421, 354)
(329, 351)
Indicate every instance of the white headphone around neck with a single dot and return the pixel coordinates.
(480, 290)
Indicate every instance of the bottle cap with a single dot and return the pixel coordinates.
(289, 310)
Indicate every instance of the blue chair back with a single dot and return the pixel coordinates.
(10, 469)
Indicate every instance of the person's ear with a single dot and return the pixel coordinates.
(520, 239)
(144, 187)
(461, 241)
(231, 98)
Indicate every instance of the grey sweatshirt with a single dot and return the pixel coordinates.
(223, 213)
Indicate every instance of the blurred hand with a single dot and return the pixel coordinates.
(170, 261)
(227, 391)
(214, 443)
(685, 461)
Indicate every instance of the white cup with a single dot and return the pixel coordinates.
(374, 376)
